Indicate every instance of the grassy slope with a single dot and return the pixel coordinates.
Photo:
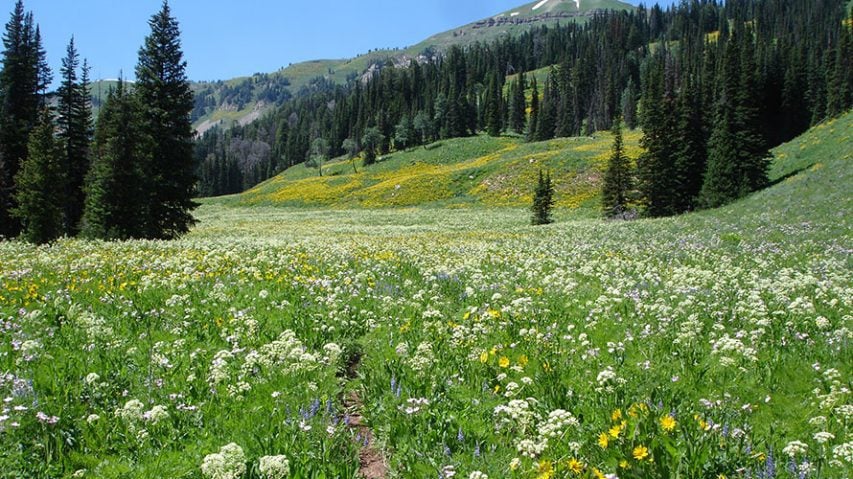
(500, 171)
(469, 34)
(468, 171)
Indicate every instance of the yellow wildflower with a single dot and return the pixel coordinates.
(598, 474)
(546, 470)
(575, 466)
(624, 464)
(616, 415)
(497, 388)
(667, 423)
(484, 357)
(615, 431)
(504, 362)
(604, 440)
(522, 360)
(640, 453)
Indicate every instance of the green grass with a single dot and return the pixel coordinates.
(708, 341)
(462, 172)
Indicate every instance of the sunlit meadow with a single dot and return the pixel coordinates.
(715, 345)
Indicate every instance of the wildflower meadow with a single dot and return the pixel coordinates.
(273, 343)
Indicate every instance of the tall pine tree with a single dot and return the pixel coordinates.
(518, 106)
(543, 200)
(115, 185)
(75, 135)
(167, 102)
(618, 180)
(24, 76)
(38, 200)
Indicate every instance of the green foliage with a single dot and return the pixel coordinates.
(319, 154)
(371, 141)
(38, 193)
(759, 285)
(166, 101)
(116, 186)
(618, 179)
(23, 81)
(75, 135)
(738, 159)
(543, 200)
(518, 105)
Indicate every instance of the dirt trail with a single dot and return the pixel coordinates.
(372, 461)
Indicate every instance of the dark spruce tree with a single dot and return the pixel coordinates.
(618, 180)
(543, 200)
(656, 166)
(691, 153)
(23, 79)
(518, 105)
(738, 159)
(38, 200)
(74, 123)
(546, 124)
(116, 183)
(167, 102)
(494, 115)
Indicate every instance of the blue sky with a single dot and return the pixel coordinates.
(226, 38)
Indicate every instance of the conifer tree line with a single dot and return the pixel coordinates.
(713, 85)
(130, 176)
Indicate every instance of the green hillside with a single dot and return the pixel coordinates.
(485, 171)
(518, 20)
(460, 172)
(299, 75)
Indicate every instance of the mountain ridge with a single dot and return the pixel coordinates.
(213, 110)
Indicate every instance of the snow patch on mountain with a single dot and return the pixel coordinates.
(541, 4)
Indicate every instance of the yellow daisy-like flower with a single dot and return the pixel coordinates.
(615, 431)
(640, 453)
(522, 360)
(616, 415)
(546, 470)
(598, 474)
(504, 362)
(667, 423)
(603, 440)
(575, 466)
(624, 464)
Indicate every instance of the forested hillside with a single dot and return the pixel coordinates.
(767, 69)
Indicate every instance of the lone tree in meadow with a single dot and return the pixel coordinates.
(371, 141)
(167, 102)
(351, 148)
(617, 180)
(319, 154)
(39, 202)
(543, 200)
